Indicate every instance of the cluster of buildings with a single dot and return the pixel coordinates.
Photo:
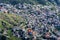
(42, 21)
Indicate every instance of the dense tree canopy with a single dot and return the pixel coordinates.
(31, 1)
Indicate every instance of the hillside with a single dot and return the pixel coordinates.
(8, 21)
(29, 20)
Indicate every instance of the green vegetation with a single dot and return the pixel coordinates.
(10, 21)
(44, 2)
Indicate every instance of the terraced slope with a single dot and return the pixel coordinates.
(9, 20)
